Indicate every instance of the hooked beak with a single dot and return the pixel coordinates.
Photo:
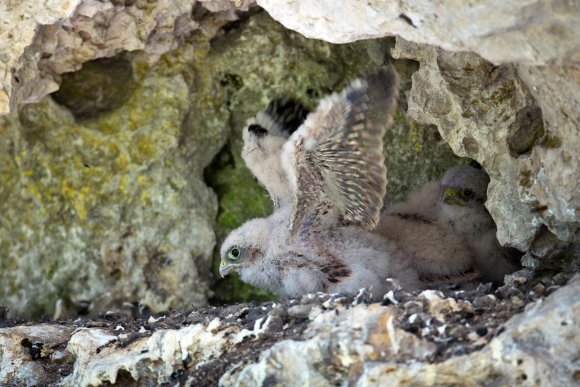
(226, 268)
(450, 197)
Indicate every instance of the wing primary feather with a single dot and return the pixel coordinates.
(337, 155)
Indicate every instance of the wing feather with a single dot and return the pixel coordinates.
(335, 159)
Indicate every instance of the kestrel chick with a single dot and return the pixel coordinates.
(323, 241)
(462, 209)
(456, 204)
(437, 254)
(264, 136)
(268, 254)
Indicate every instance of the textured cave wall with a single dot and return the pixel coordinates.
(45, 38)
(116, 189)
(531, 32)
(18, 24)
(107, 209)
(103, 200)
(489, 113)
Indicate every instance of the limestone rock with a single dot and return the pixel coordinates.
(540, 346)
(336, 348)
(107, 210)
(483, 110)
(18, 23)
(16, 365)
(553, 167)
(339, 340)
(47, 39)
(529, 32)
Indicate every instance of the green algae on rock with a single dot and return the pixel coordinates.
(105, 210)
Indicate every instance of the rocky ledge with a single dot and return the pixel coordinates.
(507, 336)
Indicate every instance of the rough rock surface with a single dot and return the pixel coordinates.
(107, 210)
(18, 23)
(532, 32)
(512, 120)
(46, 39)
(103, 198)
(446, 337)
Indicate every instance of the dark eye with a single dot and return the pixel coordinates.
(234, 253)
(467, 193)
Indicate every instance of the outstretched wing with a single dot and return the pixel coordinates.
(335, 159)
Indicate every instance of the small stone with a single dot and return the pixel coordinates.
(482, 331)
(460, 294)
(322, 297)
(61, 357)
(547, 281)
(538, 291)
(412, 307)
(484, 302)
(309, 298)
(300, 311)
(484, 288)
(426, 331)
(517, 302)
(501, 291)
(473, 336)
(403, 296)
(519, 277)
(420, 320)
(507, 291)
(457, 331)
(328, 304)
(392, 285)
(531, 262)
(363, 297)
(341, 301)
(276, 323)
(389, 299)
(431, 295)
(552, 289)
(459, 350)
(562, 278)
(279, 310)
